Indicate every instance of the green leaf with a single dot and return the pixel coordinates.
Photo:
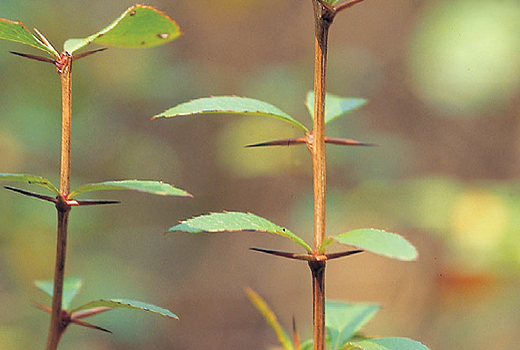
(335, 106)
(387, 344)
(152, 187)
(71, 287)
(270, 318)
(126, 304)
(234, 222)
(138, 26)
(343, 320)
(30, 179)
(18, 32)
(230, 105)
(379, 242)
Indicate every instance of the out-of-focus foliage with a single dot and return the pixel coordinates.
(465, 54)
(449, 185)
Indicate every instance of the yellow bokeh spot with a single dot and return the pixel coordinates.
(480, 220)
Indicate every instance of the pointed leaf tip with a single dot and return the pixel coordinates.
(230, 105)
(335, 106)
(127, 304)
(344, 320)
(138, 26)
(235, 222)
(270, 318)
(31, 179)
(146, 186)
(18, 32)
(71, 287)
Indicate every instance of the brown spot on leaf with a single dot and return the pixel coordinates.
(143, 43)
(163, 36)
(132, 13)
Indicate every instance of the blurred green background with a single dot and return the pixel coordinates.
(442, 78)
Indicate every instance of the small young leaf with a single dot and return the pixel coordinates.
(230, 105)
(71, 287)
(335, 106)
(126, 304)
(270, 318)
(343, 320)
(138, 26)
(379, 242)
(30, 179)
(152, 187)
(394, 343)
(18, 32)
(235, 222)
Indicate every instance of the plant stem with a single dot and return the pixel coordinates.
(58, 324)
(323, 19)
(322, 22)
(65, 72)
(318, 304)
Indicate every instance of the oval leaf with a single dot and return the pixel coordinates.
(18, 32)
(235, 222)
(343, 320)
(71, 287)
(138, 26)
(379, 242)
(335, 106)
(230, 105)
(126, 304)
(395, 343)
(153, 187)
(31, 179)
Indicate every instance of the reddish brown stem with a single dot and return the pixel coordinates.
(58, 325)
(58, 322)
(64, 67)
(318, 305)
(324, 15)
(323, 20)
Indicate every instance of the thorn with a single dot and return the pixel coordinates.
(284, 254)
(74, 202)
(346, 142)
(33, 57)
(88, 53)
(32, 194)
(342, 254)
(282, 142)
(41, 307)
(89, 325)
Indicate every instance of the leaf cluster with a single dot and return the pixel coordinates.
(71, 287)
(380, 242)
(343, 323)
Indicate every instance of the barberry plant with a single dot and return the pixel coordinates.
(139, 26)
(335, 325)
